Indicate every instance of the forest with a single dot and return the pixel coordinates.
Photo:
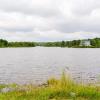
(93, 43)
(5, 43)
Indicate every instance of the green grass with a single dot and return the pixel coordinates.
(56, 89)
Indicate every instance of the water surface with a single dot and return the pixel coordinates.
(35, 65)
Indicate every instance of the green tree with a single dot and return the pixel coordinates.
(63, 44)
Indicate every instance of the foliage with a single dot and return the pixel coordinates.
(94, 43)
(21, 44)
(4, 43)
(56, 89)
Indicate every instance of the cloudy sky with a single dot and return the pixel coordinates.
(49, 20)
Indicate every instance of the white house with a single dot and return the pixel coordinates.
(85, 42)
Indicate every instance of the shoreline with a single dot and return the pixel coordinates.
(54, 89)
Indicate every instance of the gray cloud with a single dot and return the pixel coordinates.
(45, 8)
(49, 20)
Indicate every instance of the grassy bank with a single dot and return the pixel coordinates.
(55, 89)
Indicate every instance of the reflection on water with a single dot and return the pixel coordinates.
(31, 65)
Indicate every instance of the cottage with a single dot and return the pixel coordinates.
(85, 43)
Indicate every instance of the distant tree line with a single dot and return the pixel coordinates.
(94, 43)
(21, 44)
(5, 43)
(74, 43)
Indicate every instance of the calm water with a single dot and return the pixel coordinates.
(35, 65)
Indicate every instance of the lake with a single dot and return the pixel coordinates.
(36, 65)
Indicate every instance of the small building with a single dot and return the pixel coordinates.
(85, 42)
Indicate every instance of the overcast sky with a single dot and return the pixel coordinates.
(49, 20)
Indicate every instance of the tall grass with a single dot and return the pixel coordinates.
(56, 89)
